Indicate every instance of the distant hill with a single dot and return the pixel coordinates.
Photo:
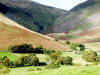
(30, 14)
(12, 33)
(82, 23)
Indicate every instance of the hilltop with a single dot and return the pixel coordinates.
(81, 23)
(30, 14)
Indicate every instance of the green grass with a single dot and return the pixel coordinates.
(64, 70)
(70, 54)
(9, 55)
(42, 57)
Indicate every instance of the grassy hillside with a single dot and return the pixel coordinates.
(12, 33)
(30, 14)
(83, 16)
(83, 20)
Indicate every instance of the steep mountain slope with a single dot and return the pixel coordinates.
(12, 33)
(82, 23)
(30, 14)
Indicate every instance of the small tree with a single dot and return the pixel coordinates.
(90, 56)
(66, 60)
(56, 39)
(6, 62)
(82, 47)
(16, 64)
(11, 64)
(4, 57)
(20, 61)
(68, 42)
(48, 52)
(54, 56)
(32, 59)
(39, 49)
(53, 65)
(75, 46)
(22, 48)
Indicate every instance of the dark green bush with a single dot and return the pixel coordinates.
(82, 47)
(90, 56)
(66, 60)
(39, 49)
(11, 64)
(68, 42)
(23, 48)
(48, 52)
(27, 48)
(56, 39)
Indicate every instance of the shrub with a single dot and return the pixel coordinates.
(68, 42)
(4, 57)
(56, 39)
(6, 62)
(54, 56)
(11, 64)
(27, 48)
(20, 62)
(32, 59)
(90, 56)
(23, 48)
(10, 47)
(48, 52)
(58, 53)
(82, 47)
(53, 65)
(66, 60)
(16, 64)
(42, 63)
(74, 46)
(39, 49)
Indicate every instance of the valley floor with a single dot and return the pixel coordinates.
(80, 66)
(64, 70)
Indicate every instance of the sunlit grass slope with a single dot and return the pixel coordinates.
(12, 33)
